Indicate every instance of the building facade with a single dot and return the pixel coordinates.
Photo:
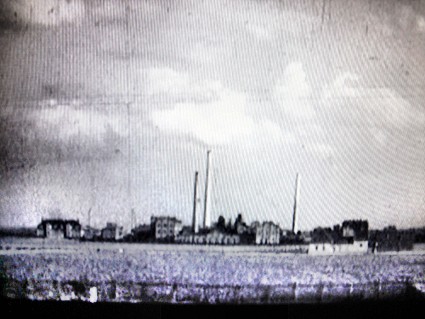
(59, 229)
(165, 228)
(90, 233)
(357, 247)
(212, 238)
(267, 233)
(216, 237)
(349, 238)
(112, 232)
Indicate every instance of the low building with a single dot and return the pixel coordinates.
(349, 238)
(326, 248)
(165, 228)
(90, 233)
(231, 240)
(112, 232)
(59, 228)
(267, 233)
(213, 236)
(216, 237)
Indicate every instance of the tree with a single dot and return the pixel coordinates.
(239, 219)
(221, 223)
(229, 228)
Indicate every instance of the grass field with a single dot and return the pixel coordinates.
(41, 269)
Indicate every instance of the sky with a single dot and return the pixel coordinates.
(111, 106)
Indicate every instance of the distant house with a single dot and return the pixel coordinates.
(90, 233)
(59, 228)
(165, 228)
(217, 237)
(112, 232)
(349, 238)
(349, 232)
(211, 236)
(326, 248)
(267, 233)
(186, 236)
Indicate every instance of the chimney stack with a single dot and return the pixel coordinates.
(195, 198)
(296, 198)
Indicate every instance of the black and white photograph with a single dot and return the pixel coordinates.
(221, 152)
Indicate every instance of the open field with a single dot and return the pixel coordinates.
(41, 269)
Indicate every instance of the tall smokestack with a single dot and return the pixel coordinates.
(296, 198)
(89, 217)
(195, 199)
(207, 217)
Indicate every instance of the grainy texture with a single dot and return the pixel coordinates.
(169, 273)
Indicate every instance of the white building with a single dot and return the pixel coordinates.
(358, 247)
(267, 233)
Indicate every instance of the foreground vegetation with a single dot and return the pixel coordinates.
(159, 273)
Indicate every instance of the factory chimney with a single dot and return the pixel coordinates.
(296, 199)
(207, 217)
(195, 199)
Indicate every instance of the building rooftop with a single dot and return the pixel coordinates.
(60, 221)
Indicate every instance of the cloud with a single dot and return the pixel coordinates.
(379, 135)
(293, 92)
(218, 116)
(108, 9)
(168, 82)
(380, 106)
(222, 121)
(260, 31)
(65, 120)
(344, 85)
(321, 149)
(405, 15)
(420, 23)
